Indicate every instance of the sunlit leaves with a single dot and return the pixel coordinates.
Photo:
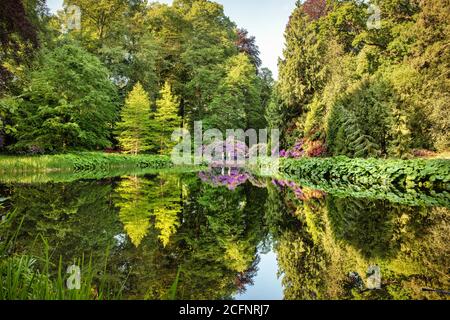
(166, 119)
(134, 130)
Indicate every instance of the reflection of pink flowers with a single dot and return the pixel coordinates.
(231, 180)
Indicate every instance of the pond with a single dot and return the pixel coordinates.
(232, 236)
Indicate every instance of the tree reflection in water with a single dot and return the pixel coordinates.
(209, 229)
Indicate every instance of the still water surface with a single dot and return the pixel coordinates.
(234, 237)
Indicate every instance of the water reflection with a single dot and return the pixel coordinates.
(215, 231)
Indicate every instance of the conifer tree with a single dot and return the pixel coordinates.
(167, 119)
(134, 131)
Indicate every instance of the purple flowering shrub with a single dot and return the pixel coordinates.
(298, 151)
(226, 153)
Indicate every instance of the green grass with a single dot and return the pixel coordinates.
(24, 277)
(80, 162)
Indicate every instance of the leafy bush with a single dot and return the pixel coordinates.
(411, 174)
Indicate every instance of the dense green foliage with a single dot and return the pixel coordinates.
(166, 120)
(34, 276)
(20, 23)
(69, 104)
(347, 85)
(411, 174)
(360, 91)
(71, 94)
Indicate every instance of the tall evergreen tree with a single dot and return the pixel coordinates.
(302, 70)
(134, 131)
(167, 119)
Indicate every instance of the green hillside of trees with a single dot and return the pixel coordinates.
(360, 91)
(347, 85)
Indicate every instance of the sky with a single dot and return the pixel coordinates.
(264, 19)
(266, 284)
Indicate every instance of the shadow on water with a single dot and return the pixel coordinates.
(208, 235)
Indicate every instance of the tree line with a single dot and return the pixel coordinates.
(134, 72)
(349, 87)
(127, 78)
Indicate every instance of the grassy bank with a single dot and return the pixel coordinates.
(419, 174)
(401, 174)
(80, 162)
(31, 277)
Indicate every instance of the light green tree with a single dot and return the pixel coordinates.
(167, 222)
(166, 118)
(134, 131)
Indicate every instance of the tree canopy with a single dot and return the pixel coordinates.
(348, 83)
(70, 103)
(363, 91)
(212, 66)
